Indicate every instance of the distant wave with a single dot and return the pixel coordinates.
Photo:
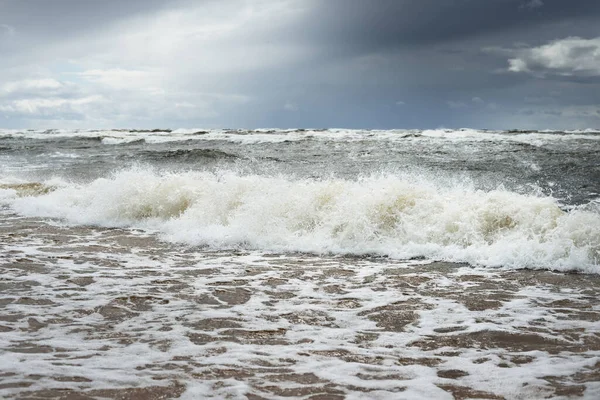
(399, 217)
(122, 137)
(187, 154)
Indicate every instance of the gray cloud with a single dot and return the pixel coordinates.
(63, 17)
(6, 30)
(38, 87)
(532, 4)
(333, 63)
(400, 23)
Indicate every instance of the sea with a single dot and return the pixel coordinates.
(299, 263)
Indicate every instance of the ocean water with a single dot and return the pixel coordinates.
(495, 199)
(300, 263)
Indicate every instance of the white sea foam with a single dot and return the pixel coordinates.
(120, 140)
(400, 217)
(111, 137)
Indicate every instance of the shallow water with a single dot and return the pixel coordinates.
(103, 311)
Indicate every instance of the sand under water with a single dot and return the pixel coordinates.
(124, 315)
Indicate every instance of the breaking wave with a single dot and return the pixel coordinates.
(27, 189)
(395, 216)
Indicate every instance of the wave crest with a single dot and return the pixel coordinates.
(393, 216)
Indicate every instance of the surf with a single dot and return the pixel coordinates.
(386, 215)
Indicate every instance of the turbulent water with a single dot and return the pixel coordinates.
(315, 264)
(490, 198)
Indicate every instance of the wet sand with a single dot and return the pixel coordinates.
(113, 313)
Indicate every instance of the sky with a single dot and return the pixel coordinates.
(378, 64)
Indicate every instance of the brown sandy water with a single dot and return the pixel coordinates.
(111, 313)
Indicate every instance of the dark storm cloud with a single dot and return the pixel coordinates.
(384, 24)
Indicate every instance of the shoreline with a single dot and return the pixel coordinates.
(94, 312)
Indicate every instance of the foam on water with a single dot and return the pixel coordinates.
(94, 309)
(117, 137)
(396, 216)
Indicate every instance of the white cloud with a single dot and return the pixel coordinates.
(517, 65)
(29, 85)
(50, 107)
(400, 103)
(109, 97)
(572, 56)
(45, 98)
(477, 100)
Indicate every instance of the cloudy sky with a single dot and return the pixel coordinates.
(300, 63)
